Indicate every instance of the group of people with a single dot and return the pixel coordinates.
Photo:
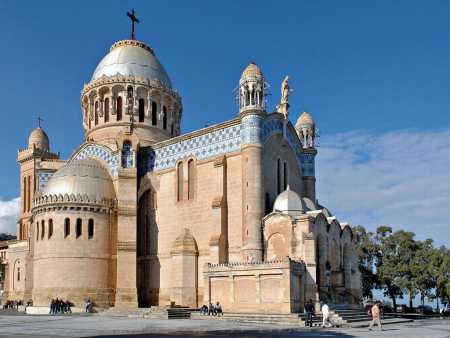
(60, 306)
(310, 313)
(212, 309)
(374, 312)
(12, 304)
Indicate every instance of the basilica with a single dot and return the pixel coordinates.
(142, 215)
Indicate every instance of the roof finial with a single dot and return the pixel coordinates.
(39, 121)
(133, 19)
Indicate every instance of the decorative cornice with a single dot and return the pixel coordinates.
(132, 43)
(129, 79)
(71, 199)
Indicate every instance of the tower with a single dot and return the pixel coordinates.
(306, 131)
(29, 160)
(252, 113)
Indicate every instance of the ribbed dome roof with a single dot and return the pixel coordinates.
(289, 202)
(81, 177)
(39, 139)
(304, 119)
(131, 57)
(252, 71)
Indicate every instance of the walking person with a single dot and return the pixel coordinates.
(375, 312)
(309, 310)
(326, 322)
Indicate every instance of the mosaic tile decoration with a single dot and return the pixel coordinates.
(43, 178)
(253, 129)
(308, 165)
(101, 152)
(217, 142)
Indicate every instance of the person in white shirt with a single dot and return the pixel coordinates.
(326, 322)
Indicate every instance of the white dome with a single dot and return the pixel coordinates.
(81, 177)
(289, 202)
(131, 57)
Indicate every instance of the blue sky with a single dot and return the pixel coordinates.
(375, 75)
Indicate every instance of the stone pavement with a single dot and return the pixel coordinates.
(18, 325)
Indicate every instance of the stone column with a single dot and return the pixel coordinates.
(218, 242)
(126, 291)
(252, 185)
(308, 171)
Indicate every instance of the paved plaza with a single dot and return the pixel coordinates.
(16, 325)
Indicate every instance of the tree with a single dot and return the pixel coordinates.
(366, 251)
(387, 264)
(422, 268)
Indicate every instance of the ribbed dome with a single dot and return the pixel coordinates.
(39, 139)
(131, 57)
(81, 177)
(289, 202)
(252, 71)
(305, 119)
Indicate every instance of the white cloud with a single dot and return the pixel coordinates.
(9, 211)
(400, 179)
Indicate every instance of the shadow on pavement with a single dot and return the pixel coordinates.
(240, 334)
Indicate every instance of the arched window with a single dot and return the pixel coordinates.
(37, 230)
(119, 108)
(50, 228)
(141, 110)
(127, 155)
(278, 176)
(106, 108)
(78, 228)
(18, 273)
(96, 113)
(154, 113)
(42, 229)
(191, 179)
(285, 176)
(90, 228)
(66, 227)
(180, 181)
(164, 117)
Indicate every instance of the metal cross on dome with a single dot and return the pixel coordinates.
(133, 19)
(39, 121)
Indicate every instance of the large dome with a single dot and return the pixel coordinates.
(81, 177)
(131, 57)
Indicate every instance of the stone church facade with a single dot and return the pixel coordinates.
(142, 215)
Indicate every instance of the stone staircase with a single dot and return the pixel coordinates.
(154, 312)
(286, 320)
(341, 316)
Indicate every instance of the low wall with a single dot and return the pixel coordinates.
(270, 287)
(45, 310)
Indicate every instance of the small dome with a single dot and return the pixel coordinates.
(81, 177)
(305, 119)
(39, 139)
(252, 71)
(289, 202)
(131, 57)
(308, 204)
(185, 243)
